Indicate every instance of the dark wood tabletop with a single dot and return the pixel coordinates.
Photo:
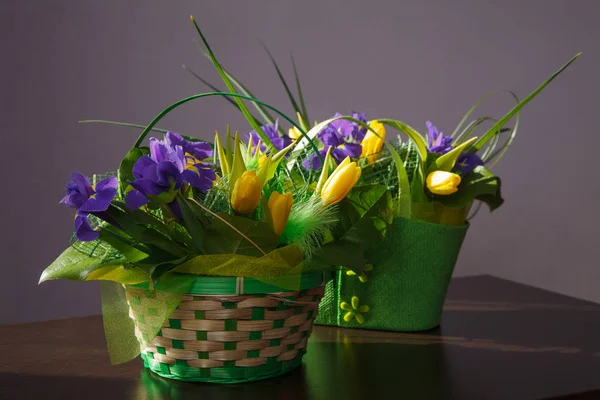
(497, 340)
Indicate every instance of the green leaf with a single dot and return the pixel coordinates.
(74, 265)
(363, 219)
(222, 239)
(481, 185)
(120, 274)
(404, 199)
(411, 133)
(502, 121)
(126, 167)
(239, 166)
(193, 224)
(446, 162)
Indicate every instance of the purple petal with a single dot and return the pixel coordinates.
(466, 162)
(168, 174)
(330, 137)
(107, 184)
(173, 139)
(352, 150)
(135, 199)
(147, 187)
(200, 150)
(141, 165)
(83, 229)
(82, 183)
(200, 177)
(158, 150)
(74, 200)
(100, 201)
(313, 161)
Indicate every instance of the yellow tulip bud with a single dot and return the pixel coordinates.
(280, 206)
(294, 133)
(246, 192)
(442, 182)
(372, 143)
(341, 181)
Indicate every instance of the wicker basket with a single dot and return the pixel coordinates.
(230, 330)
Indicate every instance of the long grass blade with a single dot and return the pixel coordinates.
(231, 88)
(173, 106)
(299, 89)
(284, 83)
(127, 124)
(404, 198)
(502, 121)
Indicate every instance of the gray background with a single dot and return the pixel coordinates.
(63, 61)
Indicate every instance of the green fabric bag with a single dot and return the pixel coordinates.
(406, 288)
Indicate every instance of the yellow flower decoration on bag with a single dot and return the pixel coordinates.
(354, 310)
(363, 277)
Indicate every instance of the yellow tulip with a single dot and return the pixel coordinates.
(341, 181)
(280, 206)
(372, 143)
(294, 133)
(442, 182)
(246, 192)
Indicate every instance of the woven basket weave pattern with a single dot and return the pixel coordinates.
(209, 338)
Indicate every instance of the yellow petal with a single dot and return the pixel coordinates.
(350, 273)
(339, 184)
(345, 306)
(348, 316)
(363, 277)
(280, 206)
(443, 182)
(246, 192)
(360, 318)
(364, 309)
(354, 302)
(368, 267)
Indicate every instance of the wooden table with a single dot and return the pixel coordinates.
(498, 339)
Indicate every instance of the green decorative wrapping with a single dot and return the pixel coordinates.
(406, 288)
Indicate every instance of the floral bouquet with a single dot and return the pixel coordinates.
(213, 256)
(434, 180)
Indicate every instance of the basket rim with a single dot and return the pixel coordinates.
(231, 285)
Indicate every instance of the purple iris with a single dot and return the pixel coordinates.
(198, 150)
(466, 162)
(161, 174)
(343, 137)
(88, 200)
(438, 143)
(278, 140)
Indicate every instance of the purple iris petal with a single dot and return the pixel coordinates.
(82, 183)
(139, 168)
(466, 162)
(438, 143)
(147, 187)
(135, 199)
(200, 150)
(272, 133)
(313, 161)
(83, 229)
(201, 176)
(74, 200)
(168, 175)
(358, 131)
(351, 150)
(106, 190)
(108, 184)
(330, 136)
